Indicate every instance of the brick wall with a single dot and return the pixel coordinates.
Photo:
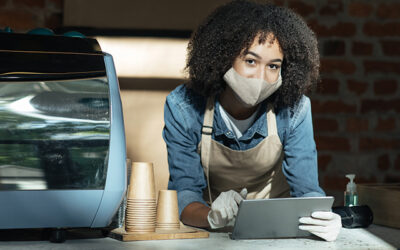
(24, 15)
(356, 108)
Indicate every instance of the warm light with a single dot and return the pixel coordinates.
(146, 57)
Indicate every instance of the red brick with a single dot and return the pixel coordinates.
(325, 124)
(18, 20)
(333, 107)
(381, 67)
(383, 162)
(334, 48)
(323, 161)
(362, 48)
(370, 143)
(388, 124)
(380, 105)
(391, 48)
(29, 3)
(332, 143)
(332, 8)
(3, 3)
(337, 183)
(397, 163)
(354, 124)
(385, 87)
(360, 9)
(340, 29)
(382, 29)
(357, 86)
(53, 21)
(301, 8)
(279, 2)
(337, 65)
(328, 86)
(388, 10)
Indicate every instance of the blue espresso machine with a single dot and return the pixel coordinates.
(62, 140)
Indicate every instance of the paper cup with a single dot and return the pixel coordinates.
(141, 184)
(128, 170)
(167, 209)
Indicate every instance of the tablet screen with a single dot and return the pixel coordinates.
(276, 218)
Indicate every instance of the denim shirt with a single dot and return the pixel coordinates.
(183, 117)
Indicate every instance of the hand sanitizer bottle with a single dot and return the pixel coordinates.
(350, 195)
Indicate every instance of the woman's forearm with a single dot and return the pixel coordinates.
(195, 214)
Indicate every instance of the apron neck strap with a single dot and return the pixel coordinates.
(209, 114)
(206, 132)
(271, 120)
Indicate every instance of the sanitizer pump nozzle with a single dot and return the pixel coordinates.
(350, 195)
(353, 215)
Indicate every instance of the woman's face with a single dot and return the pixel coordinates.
(262, 61)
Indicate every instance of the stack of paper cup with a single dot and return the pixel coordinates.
(141, 203)
(122, 207)
(167, 210)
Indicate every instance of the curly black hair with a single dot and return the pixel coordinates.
(231, 30)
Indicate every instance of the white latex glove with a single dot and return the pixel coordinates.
(325, 225)
(224, 209)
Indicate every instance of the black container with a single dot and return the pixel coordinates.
(355, 216)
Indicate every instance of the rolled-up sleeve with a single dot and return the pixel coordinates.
(186, 172)
(300, 160)
(185, 197)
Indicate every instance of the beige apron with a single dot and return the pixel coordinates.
(258, 169)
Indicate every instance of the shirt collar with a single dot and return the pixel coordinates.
(259, 126)
(220, 126)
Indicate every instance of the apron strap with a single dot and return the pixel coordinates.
(206, 137)
(271, 121)
(206, 132)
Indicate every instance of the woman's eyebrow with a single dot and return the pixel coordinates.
(259, 57)
(254, 54)
(276, 60)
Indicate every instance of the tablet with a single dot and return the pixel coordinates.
(276, 218)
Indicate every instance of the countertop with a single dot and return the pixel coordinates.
(374, 237)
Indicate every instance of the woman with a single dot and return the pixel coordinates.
(241, 127)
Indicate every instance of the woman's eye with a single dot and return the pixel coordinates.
(250, 61)
(274, 66)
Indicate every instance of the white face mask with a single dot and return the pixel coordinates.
(250, 91)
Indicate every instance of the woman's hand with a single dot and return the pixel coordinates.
(224, 208)
(325, 225)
